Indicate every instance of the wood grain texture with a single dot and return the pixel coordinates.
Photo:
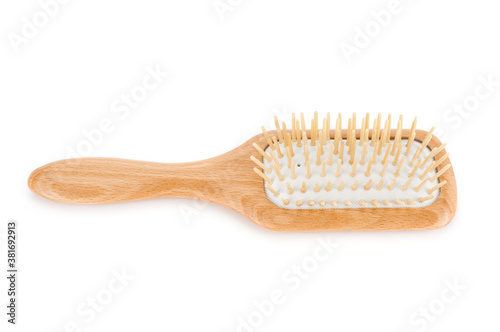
(229, 180)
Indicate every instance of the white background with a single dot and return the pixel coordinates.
(200, 267)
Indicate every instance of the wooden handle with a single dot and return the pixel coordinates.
(108, 180)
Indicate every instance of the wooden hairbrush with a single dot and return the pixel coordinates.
(288, 179)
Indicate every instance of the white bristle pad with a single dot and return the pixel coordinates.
(347, 194)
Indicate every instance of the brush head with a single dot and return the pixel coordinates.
(356, 169)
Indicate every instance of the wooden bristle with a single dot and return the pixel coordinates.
(352, 149)
(429, 157)
(368, 169)
(398, 170)
(367, 122)
(275, 160)
(410, 144)
(339, 168)
(324, 132)
(328, 136)
(383, 138)
(414, 170)
(306, 146)
(299, 133)
(293, 176)
(277, 146)
(436, 187)
(338, 135)
(263, 176)
(362, 132)
(427, 138)
(353, 171)
(417, 188)
(316, 124)
(387, 152)
(443, 158)
(374, 133)
(308, 173)
(368, 185)
(302, 122)
(375, 153)
(397, 141)
(391, 185)
(426, 198)
(289, 157)
(259, 150)
(407, 184)
(313, 134)
(341, 185)
(278, 129)
(441, 172)
(427, 170)
(328, 186)
(288, 144)
(318, 155)
(396, 158)
(384, 168)
(379, 124)
(261, 165)
(363, 154)
(268, 139)
(412, 131)
(341, 153)
(277, 171)
(271, 189)
(330, 154)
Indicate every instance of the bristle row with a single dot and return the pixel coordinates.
(374, 202)
(369, 152)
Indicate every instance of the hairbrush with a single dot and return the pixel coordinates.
(288, 179)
